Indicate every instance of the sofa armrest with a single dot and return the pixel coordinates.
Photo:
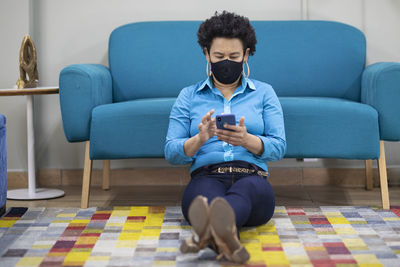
(380, 88)
(82, 88)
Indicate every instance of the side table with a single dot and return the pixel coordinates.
(31, 192)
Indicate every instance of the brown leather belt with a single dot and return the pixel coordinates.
(239, 170)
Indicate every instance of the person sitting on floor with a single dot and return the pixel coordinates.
(229, 185)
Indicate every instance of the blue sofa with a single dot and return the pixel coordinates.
(3, 164)
(334, 106)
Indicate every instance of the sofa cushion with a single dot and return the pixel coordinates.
(330, 128)
(130, 129)
(310, 58)
(315, 127)
(162, 57)
(298, 58)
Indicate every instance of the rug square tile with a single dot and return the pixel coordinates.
(108, 234)
(169, 236)
(38, 228)
(56, 228)
(306, 232)
(165, 256)
(374, 242)
(309, 238)
(296, 244)
(16, 231)
(101, 253)
(341, 256)
(104, 243)
(172, 221)
(147, 243)
(173, 213)
(64, 215)
(22, 243)
(385, 255)
(122, 261)
(141, 257)
(281, 220)
(97, 264)
(97, 259)
(393, 244)
(166, 224)
(126, 244)
(299, 260)
(59, 224)
(168, 243)
(68, 238)
(116, 219)
(47, 247)
(9, 262)
(294, 251)
(24, 222)
(167, 249)
(180, 231)
(288, 231)
(43, 243)
(173, 209)
(365, 231)
(16, 252)
(123, 252)
(34, 212)
(76, 257)
(345, 231)
(366, 258)
(390, 262)
(393, 238)
(29, 261)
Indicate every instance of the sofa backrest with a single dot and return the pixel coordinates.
(298, 58)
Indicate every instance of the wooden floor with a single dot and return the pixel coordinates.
(153, 195)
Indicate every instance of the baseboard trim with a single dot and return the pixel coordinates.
(346, 177)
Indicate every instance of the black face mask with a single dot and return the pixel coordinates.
(227, 71)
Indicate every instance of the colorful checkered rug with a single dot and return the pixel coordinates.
(150, 236)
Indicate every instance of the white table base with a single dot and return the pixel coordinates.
(41, 193)
(32, 192)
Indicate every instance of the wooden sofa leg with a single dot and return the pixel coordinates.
(369, 176)
(383, 178)
(87, 174)
(106, 174)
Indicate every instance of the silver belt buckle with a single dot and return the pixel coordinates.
(263, 173)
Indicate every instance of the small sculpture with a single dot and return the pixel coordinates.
(28, 72)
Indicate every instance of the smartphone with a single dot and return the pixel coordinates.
(225, 118)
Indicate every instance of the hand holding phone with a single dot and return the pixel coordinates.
(225, 118)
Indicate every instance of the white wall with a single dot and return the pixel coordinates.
(12, 31)
(77, 31)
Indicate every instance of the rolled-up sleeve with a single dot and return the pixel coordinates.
(178, 130)
(274, 138)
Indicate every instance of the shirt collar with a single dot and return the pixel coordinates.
(246, 82)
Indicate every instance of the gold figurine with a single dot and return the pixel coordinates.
(28, 73)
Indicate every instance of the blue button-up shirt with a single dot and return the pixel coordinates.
(255, 100)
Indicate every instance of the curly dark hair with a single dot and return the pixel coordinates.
(229, 25)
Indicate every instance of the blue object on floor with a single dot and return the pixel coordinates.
(3, 164)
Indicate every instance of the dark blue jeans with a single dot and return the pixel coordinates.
(251, 196)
